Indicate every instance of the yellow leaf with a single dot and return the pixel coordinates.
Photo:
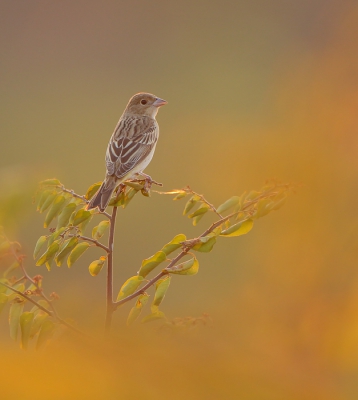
(66, 249)
(241, 228)
(206, 244)
(161, 288)
(26, 320)
(153, 317)
(14, 318)
(190, 267)
(55, 209)
(137, 309)
(46, 332)
(174, 244)
(41, 241)
(91, 191)
(232, 202)
(129, 287)
(190, 204)
(76, 253)
(49, 254)
(96, 266)
(81, 216)
(99, 230)
(65, 215)
(150, 263)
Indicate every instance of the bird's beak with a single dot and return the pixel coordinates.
(159, 102)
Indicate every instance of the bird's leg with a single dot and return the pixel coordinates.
(118, 190)
(149, 181)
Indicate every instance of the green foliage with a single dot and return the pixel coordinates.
(67, 213)
(137, 309)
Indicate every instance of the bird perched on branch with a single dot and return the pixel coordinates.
(131, 146)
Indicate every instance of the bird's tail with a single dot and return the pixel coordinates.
(103, 194)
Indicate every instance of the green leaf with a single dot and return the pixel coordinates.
(137, 309)
(135, 185)
(76, 253)
(66, 249)
(190, 267)
(65, 215)
(153, 317)
(232, 202)
(279, 201)
(3, 289)
(40, 317)
(48, 201)
(41, 241)
(49, 254)
(96, 266)
(197, 219)
(26, 320)
(129, 287)
(55, 209)
(82, 226)
(161, 288)
(46, 332)
(190, 204)
(206, 244)
(55, 235)
(81, 216)
(238, 229)
(252, 195)
(50, 182)
(150, 263)
(174, 244)
(181, 194)
(264, 206)
(20, 287)
(13, 266)
(204, 208)
(117, 200)
(16, 309)
(5, 247)
(43, 198)
(3, 301)
(128, 196)
(92, 190)
(99, 230)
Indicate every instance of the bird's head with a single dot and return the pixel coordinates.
(144, 104)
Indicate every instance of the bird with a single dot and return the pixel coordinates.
(131, 146)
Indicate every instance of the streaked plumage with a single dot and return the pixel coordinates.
(131, 146)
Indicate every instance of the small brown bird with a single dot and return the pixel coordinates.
(131, 146)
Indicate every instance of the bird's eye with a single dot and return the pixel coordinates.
(143, 102)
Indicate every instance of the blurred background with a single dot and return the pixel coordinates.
(256, 90)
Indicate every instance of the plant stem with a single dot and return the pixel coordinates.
(109, 302)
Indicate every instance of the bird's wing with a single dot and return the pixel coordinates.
(132, 141)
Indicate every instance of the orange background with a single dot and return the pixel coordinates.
(256, 90)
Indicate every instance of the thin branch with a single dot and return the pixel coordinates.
(83, 198)
(19, 280)
(50, 313)
(109, 298)
(94, 241)
(72, 193)
(186, 249)
(41, 293)
(152, 281)
(203, 199)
